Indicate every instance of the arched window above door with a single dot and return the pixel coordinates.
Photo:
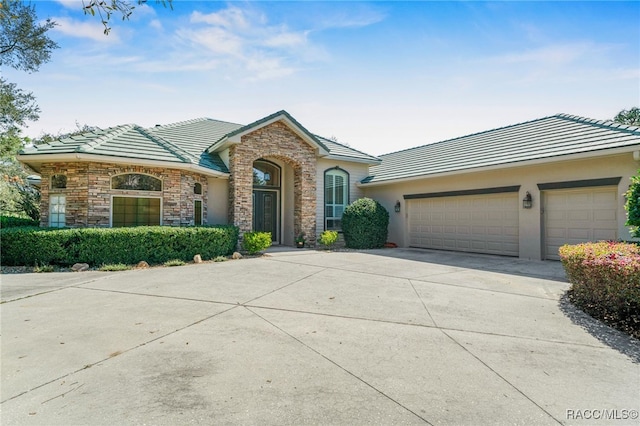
(266, 173)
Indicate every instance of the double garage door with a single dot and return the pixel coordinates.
(489, 223)
(486, 223)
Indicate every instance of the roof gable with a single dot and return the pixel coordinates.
(195, 142)
(234, 137)
(545, 138)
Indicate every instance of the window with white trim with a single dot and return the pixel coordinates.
(336, 197)
(57, 211)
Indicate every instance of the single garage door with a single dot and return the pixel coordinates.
(573, 216)
(486, 223)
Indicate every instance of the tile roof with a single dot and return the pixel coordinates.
(338, 150)
(544, 138)
(127, 141)
(182, 142)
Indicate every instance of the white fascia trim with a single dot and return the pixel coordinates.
(235, 139)
(580, 156)
(77, 157)
(352, 160)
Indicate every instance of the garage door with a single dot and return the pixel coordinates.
(485, 223)
(573, 216)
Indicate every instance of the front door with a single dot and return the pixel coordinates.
(265, 212)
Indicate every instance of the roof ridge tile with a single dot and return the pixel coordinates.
(186, 122)
(348, 147)
(169, 146)
(110, 134)
(609, 124)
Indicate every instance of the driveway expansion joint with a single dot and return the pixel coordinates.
(355, 376)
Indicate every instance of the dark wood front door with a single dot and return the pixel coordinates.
(265, 212)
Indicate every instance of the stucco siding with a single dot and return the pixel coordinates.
(357, 172)
(530, 220)
(217, 201)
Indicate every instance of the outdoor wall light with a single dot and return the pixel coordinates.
(527, 201)
(397, 207)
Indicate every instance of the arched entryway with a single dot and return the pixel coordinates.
(267, 186)
(293, 201)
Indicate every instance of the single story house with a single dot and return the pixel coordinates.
(521, 190)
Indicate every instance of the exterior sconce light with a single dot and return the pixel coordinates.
(527, 201)
(397, 207)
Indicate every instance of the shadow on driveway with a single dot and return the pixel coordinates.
(546, 269)
(609, 336)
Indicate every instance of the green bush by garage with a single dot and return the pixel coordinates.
(96, 246)
(365, 224)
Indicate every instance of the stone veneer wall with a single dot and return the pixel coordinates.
(88, 192)
(273, 141)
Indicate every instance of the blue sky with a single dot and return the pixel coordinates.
(379, 76)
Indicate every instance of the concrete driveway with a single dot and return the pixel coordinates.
(395, 336)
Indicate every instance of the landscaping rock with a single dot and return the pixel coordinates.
(197, 259)
(80, 267)
(236, 255)
(142, 265)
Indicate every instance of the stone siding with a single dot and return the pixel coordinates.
(275, 141)
(88, 192)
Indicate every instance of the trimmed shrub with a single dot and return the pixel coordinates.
(364, 224)
(328, 238)
(633, 206)
(605, 282)
(255, 242)
(14, 221)
(97, 246)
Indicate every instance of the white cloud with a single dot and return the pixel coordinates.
(232, 18)
(71, 4)
(287, 39)
(93, 30)
(352, 19)
(244, 39)
(156, 24)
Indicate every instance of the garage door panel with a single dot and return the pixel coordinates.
(604, 234)
(604, 215)
(477, 223)
(604, 197)
(573, 216)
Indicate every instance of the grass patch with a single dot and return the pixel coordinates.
(43, 268)
(114, 267)
(220, 259)
(174, 262)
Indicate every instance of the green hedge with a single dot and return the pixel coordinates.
(14, 221)
(605, 282)
(364, 224)
(255, 242)
(96, 246)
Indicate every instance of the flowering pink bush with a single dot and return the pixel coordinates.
(605, 281)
